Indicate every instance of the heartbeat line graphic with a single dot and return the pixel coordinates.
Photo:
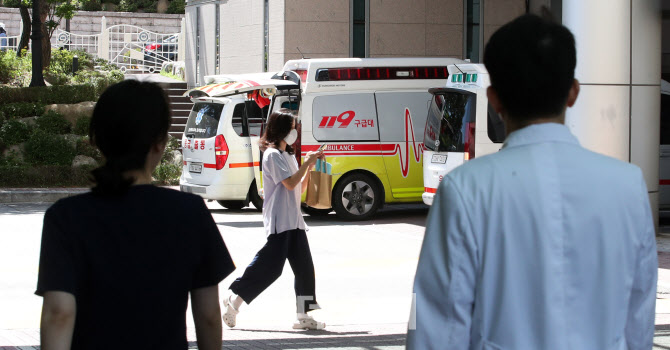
(404, 157)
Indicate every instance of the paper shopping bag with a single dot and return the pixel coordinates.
(319, 190)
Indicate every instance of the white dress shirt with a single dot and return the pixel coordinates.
(544, 245)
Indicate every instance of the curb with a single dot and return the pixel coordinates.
(44, 195)
(32, 195)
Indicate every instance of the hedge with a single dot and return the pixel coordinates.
(48, 149)
(20, 110)
(47, 95)
(45, 176)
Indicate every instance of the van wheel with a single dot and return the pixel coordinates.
(254, 197)
(315, 212)
(356, 197)
(233, 205)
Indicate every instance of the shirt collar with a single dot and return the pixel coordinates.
(540, 133)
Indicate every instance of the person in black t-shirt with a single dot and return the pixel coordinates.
(117, 264)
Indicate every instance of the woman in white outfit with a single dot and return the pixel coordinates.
(283, 184)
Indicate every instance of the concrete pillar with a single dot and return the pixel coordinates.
(619, 68)
(181, 41)
(103, 41)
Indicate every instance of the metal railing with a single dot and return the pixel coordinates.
(127, 46)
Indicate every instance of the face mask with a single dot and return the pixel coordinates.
(291, 137)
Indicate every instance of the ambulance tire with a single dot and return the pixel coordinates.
(315, 212)
(254, 197)
(233, 205)
(356, 197)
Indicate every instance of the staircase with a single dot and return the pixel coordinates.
(180, 107)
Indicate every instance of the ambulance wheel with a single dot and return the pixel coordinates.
(315, 212)
(254, 197)
(356, 197)
(233, 205)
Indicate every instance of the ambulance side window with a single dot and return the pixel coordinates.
(495, 126)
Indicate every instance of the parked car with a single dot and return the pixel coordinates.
(161, 51)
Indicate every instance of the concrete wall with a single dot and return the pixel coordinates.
(85, 23)
(497, 13)
(320, 28)
(276, 35)
(416, 28)
(241, 36)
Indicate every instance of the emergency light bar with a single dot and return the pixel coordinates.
(381, 73)
(465, 77)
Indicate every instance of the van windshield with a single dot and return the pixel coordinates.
(203, 120)
(448, 115)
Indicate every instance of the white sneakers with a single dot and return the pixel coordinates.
(230, 316)
(308, 323)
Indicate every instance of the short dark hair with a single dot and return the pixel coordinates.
(531, 62)
(280, 123)
(127, 120)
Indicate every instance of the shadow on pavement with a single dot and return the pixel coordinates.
(305, 332)
(408, 214)
(372, 342)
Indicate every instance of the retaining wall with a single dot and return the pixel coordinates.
(88, 22)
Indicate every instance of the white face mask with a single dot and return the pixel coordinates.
(291, 137)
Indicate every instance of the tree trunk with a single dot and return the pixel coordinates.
(25, 35)
(46, 40)
(36, 48)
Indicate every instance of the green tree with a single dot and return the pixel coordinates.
(52, 12)
(177, 6)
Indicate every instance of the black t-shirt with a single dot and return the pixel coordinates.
(130, 261)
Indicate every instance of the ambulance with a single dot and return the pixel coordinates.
(461, 125)
(223, 127)
(370, 113)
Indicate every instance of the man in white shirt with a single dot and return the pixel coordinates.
(543, 245)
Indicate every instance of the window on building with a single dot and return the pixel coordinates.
(360, 19)
(473, 10)
(218, 40)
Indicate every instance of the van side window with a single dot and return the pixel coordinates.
(495, 126)
(238, 114)
(256, 119)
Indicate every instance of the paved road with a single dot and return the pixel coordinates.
(364, 275)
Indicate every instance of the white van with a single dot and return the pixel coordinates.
(461, 124)
(370, 112)
(224, 125)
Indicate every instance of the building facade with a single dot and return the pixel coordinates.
(245, 36)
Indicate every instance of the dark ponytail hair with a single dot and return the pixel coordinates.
(280, 123)
(129, 118)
